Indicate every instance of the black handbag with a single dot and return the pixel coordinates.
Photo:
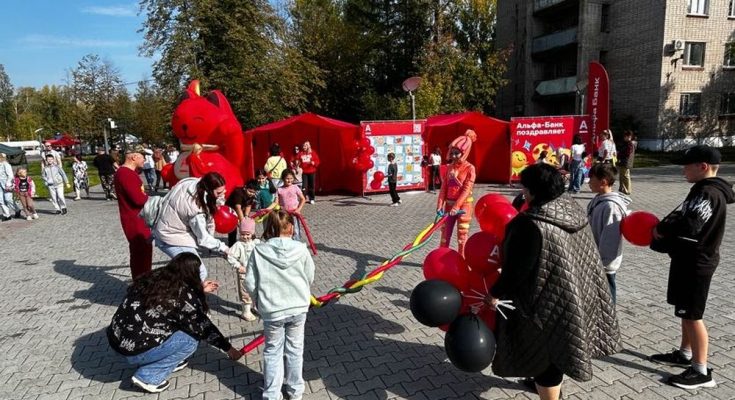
(667, 244)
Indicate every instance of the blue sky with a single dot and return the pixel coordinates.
(40, 40)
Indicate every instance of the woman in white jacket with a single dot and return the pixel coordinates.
(185, 221)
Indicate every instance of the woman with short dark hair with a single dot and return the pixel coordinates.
(552, 272)
(161, 321)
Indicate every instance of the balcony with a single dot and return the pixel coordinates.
(544, 6)
(554, 41)
(556, 87)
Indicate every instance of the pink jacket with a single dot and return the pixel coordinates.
(31, 189)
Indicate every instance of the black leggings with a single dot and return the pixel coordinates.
(549, 378)
(308, 185)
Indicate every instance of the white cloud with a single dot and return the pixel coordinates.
(48, 41)
(125, 10)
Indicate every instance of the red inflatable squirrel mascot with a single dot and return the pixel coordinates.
(207, 122)
(456, 191)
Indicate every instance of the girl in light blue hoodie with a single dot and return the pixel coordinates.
(278, 277)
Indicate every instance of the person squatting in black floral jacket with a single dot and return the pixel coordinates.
(161, 321)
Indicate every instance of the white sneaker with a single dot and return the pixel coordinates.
(150, 388)
(312, 201)
(248, 316)
(400, 202)
(394, 205)
(77, 198)
(28, 218)
(35, 216)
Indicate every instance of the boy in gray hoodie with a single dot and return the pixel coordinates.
(605, 212)
(278, 277)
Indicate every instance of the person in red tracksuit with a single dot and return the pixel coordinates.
(309, 164)
(131, 198)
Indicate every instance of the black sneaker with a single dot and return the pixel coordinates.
(691, 379)
(150, 388)
(63, 211)
(674, 359)
(57, 212)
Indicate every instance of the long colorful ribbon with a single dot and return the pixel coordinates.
(355, 285)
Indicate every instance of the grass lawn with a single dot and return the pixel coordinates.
(34, 171)
(645, 158)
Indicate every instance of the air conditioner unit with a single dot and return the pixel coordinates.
(677, 44)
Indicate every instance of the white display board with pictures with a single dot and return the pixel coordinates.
(402, 138)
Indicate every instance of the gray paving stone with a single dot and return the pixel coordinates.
(56, 304)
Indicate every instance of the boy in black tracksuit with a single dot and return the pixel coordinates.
(393, 180)
(694, 235)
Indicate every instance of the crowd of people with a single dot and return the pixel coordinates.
(560, 261)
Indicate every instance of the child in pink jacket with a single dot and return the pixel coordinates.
(26, 189)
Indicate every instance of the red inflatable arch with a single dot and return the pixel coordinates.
(490, 154)
(331, 139)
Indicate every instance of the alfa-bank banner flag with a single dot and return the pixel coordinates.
(598, 101)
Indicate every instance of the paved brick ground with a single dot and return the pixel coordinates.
(63, 277)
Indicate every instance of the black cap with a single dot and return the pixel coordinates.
(699, 154)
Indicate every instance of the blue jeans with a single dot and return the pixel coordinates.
(7, 204)
(577, 176)
(291, 331)
(150, 176)
(156, 364)
(296, 229)
(173, 251)
(613, 287)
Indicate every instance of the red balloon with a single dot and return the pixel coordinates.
(495, 217)
(482, 252)
(379, 176)
(448, 265)
(637, 228)
(225, 219)
(370, 150)
(376, 184)
(365, 142)
(487, 201)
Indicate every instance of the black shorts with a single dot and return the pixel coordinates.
(688, 290)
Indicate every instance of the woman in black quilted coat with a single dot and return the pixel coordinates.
(552, 271)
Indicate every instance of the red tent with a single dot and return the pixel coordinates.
(64, 141)
(330, 138)
(490, 154)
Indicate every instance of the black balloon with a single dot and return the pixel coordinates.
(470, 345)
(435, 302)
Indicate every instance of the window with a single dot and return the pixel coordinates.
(731, 9)
(694, 54)
(689, 104)
(605, 18)
(729, 60)
(727, 104)
(698, 7)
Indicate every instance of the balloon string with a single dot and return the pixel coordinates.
(353, 286)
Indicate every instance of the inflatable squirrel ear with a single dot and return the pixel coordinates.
(464, 143)
(194, 88)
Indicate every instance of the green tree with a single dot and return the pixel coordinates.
(151, 114)
(236, 46)
(7, 106)
(95, 86)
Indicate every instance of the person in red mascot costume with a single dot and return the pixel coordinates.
(456, 191)
(207, 121)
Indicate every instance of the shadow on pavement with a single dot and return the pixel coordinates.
(95, 360)
(108, 287)
(355, 351)
(362, 260)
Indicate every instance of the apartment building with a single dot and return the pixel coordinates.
(671, 63)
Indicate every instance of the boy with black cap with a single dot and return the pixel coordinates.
(694, 234)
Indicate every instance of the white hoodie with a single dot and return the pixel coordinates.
(605, 212)
(278, 277)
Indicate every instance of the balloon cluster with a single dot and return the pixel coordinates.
(363, 151)
(377, 181)
(452, 296)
